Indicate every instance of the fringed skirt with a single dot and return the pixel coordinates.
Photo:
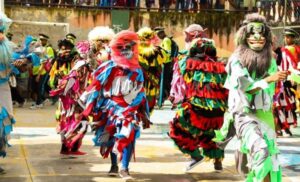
(193, 128)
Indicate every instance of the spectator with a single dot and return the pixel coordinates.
(297, 10)
(204, 4)
(130, 3)
(281, 10)
(220, 4)
(171, 48)
(21, 64)
(106, 3)
(164, 5)
(71, 37)
(179, 5)
(265, 8)
(149, 4)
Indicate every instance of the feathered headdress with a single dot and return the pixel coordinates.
(103, 33)
(148, 35)
(83, 48)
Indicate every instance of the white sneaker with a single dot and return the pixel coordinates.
(46, 101)
(40, 106)
(33, 106)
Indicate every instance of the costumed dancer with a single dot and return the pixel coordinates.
(99, 39)
(192, 32)
(151, 58)
(6, 107)
(70, 126)
(117, 102)
(63, 63)
(202, 104)
(284, 99)
(252, 73)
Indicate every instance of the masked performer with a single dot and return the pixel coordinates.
(117, 102)
(151, 58)
(6, 108)
(203, 103)
(99, 39)
(284, 99)
(63, 63)
(70, 126)
(252, 73)
(192, 32)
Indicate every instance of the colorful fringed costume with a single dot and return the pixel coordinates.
(284, 98)
(198, 85)
(116, 100)
(6, 68)
(70, 126)
(151, 58)
(6, 122)
(250, 81)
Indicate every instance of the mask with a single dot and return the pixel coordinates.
(126, 50)
(255, 39)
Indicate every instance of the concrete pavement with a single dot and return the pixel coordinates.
(35, 155)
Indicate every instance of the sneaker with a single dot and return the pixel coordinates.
(194, 162)
(114, 169)
(218, 165)
(279, 133)
(124, 174)
(40, 106)
(33, 106)
(77, 153)
(46, 101)
(288, 131)
(64, 152)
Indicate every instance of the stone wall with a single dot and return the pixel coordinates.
(221, 26)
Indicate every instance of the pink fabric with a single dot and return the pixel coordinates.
(178, 87)
(122, 38)
(83, 47)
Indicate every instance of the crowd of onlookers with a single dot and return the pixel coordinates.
(272, 9)
(153, 4)
(34, 58)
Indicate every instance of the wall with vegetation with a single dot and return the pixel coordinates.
(221, 26)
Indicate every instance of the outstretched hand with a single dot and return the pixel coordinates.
(278, 76)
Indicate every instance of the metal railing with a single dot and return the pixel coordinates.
(143, 5)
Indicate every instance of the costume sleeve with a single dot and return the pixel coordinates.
(240, 79)
(94, 93)
(52, 74)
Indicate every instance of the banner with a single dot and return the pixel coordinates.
(120, 20)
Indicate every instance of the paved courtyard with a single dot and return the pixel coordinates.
(34, 155)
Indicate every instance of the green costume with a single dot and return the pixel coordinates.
(249, 115)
